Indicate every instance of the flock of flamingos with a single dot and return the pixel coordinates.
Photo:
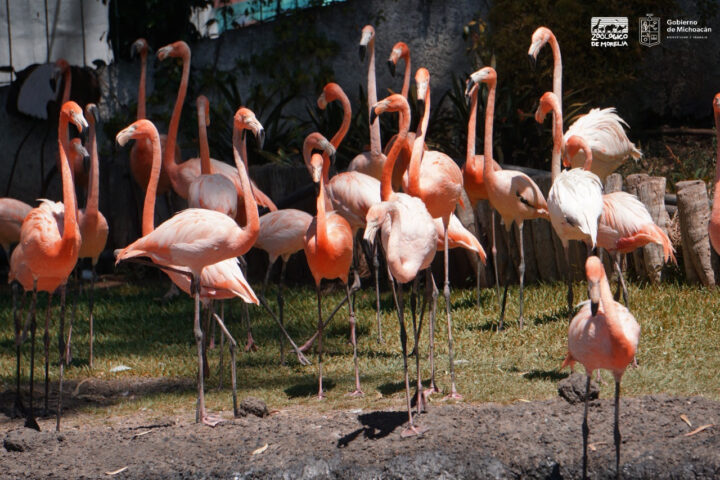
(405, 193)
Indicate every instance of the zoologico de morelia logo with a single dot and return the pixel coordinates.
(609, 31)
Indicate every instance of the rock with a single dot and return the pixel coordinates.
(253, 406)
(20, 440)
(572, 388)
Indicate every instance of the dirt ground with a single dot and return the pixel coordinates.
(522, 440)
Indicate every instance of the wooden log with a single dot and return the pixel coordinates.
(694, 214)
(651, 193)
(638, 263)
(545, 247)
(468, 218)
(613, 183)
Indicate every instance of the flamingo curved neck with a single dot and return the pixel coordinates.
(472, 128)
(93, 199)
(205, 165)
(386, 190)
(619, 341)
(417, 150)
(67, 80)
(488, 171)
(141, 86)
(169, 152)
(321, 224)
(252, 225)
(375, 147)
(557, 138)
(557, 69)
(70, 215)
(340, 134)
(406, 79)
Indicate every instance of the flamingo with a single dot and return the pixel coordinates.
(93, 225)
(141, 152)
(401, 51)
(12, 214)
(602, 129)
(409, 238)
(49, 246)
(182, 175)
(625, 223)
(352, 193)
(714, 225)
(472, 171)
(575, 198)
(328, 246)
(210, 190)
(603, 334)
(370, 163)
(196, 238)
(513, 194)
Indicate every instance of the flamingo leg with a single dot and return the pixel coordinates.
(91, 301)
(321, 395)
(46, 341)
(412, 429)
(205, 329)
(566, 248)
(353, 338)
(18, 344)
(521, 270)
(479, 262)
(432, 292)
(497, 270)
(250, 345)
(281, 309)
(211, 342)
(413, 308)
(312, 339)
(200, 413)
(585, 429)
(416, 336)
(616, 432)
(61, 345)
(68, 344)
(454, 395)
(30, 421)
(621, 280)
(376, 272)
(221, 362)
(233, 367)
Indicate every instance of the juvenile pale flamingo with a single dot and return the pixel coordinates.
(49, 245)
(513, 194)
(370, 163)
(182, 175)
(197, 238)
(93, 226)
(328, 247)
(210, 190)
(575, 198)
(603, 334)
(409, 238)
(352, 193)
(714, 225)
(472, 170)
(141, 152)
(601, 128)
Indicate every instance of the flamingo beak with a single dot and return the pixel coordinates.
(164, 52)
(125, 135)
(373, 116)
(532, 61)
(260, 136)
(86, 160)
(316, 173)
(469, 84)
(361, 52)
(370, 232)
(322, 101)
(391, 67)
(594, 294)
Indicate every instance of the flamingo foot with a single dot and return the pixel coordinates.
(357, 394)
(452, 396)
(429, 391)
(211, 420)
(321, 396)
(250, 345)
(413, 431)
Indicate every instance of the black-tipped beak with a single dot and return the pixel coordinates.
(84, 134)
(94, 112)
(532, 61)
(332, 158)
(363, 49)
(373, 116)
(53, 83)
(594, 308)
(391, 67)
(316, 187)
(261, 139)
(468, 88)
(86, 163)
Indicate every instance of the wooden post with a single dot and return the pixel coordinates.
(638, 262)
(613, 183)
(651, 192)
(543, 243)
(694, 214)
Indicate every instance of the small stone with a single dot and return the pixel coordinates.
(572, 389)
(253, 406)
(20, 440)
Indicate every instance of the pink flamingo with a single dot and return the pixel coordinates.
(575, 198)
(603, 334)
(328, 247)
(49, 245)
(513, 194)
(182, 175)
(401, 51)
(409, 238)
(370, 163)
(141, 152)
(714, 225)
(625, 223)
(352, 193)
(197, 238)
(93, 226)
(437, 180)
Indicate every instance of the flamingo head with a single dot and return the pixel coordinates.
(422, 81)
(72, 112)
(178, 49)
(486, 75)
(539, 38)
(572, 146)
(315, 141)
(139, 47)
(245, 120)
(368, 34)
(203, 106)
(393, 103)
(77, 150)
(547, 102)
(594, 272)
(331, 92)
(716, 103)
(139, 129)
(399, 50)
(374, 219)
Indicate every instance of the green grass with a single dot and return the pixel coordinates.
(678, 351)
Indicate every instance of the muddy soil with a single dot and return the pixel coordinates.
(522, 440)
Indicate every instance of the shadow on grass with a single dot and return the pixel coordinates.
(308, 388)
(553, 375)
(376, 425)
(561, 314)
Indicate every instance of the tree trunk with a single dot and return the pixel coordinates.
(651, 192)
(694, 214)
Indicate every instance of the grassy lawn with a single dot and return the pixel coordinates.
(678, 351)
